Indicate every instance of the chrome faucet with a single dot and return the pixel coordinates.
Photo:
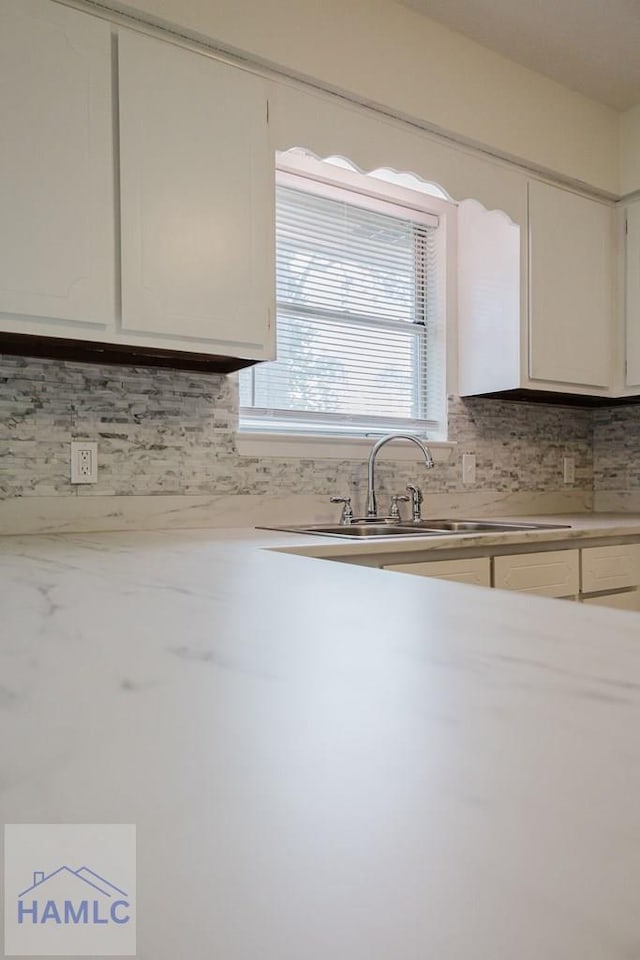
(347, 513)
(371, 484)
(415, 494)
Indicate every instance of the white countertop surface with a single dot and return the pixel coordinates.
(327, 761)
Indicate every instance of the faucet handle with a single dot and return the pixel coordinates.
(394, 509)
(416, 500)
(347, 512)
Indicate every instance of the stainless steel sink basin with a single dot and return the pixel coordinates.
(387, 527)
(364, 529)
(481, 526)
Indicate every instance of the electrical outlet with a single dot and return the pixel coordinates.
(468, 468)
(84, 461)
(569, 469)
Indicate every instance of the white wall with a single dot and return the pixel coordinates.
(630, 150)
(391, 55)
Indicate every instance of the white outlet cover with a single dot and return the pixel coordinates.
(569, 469)
(468, 468)
(84, 461)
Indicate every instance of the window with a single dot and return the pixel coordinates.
(359, 326)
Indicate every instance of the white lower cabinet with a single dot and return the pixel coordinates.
(610, 568)
(476, 570)
(607, 576)
(626, 600)
(553, 573)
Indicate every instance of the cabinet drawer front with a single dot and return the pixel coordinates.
(477, 571)
(607, 568)
(629, 600)
(551, 574)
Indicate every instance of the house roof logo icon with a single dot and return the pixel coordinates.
(69, 889)
(88, 880)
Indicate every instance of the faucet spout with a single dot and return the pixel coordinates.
(372, 511)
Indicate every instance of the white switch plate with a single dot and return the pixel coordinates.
(569, 469)
(84, 461)
(468, 468)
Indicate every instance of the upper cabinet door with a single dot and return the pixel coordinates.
(570, 287)
(632, 298)
(197, 186)
(56, 166)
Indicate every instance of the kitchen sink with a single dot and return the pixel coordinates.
(363, 529)
(388, 527)
(481, 526)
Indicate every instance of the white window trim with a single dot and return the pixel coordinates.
(392, 204)
(335, 447)
(284, 446)
(338, 179)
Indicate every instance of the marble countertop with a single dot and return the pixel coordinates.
(326, 760)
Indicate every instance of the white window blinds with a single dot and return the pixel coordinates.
(356, 303)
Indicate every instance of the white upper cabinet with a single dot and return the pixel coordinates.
(632, 297)
(56, 169)
(488, 300)
(537, 308)
(571, 284)
(192, 267)
(197, 195)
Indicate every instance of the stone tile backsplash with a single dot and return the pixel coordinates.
(168, 432)
(616, 449)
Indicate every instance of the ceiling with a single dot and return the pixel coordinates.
(592, 46)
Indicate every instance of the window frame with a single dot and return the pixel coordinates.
(296, 168)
